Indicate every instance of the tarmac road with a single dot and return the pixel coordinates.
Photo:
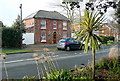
(19, 65)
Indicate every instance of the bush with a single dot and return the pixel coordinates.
(108, 68)
(11, 38)
(107, 38)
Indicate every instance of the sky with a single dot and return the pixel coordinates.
(9, 9)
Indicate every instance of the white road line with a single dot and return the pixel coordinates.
(19, 61)
(14, 61)
(76, 55)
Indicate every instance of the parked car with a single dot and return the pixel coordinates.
(69, 44)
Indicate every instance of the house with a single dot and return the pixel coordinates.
(47, 26)
(107, 30)
(77, 27)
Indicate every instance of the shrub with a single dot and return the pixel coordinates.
(11, 38)
(107, 38)
(108, 68)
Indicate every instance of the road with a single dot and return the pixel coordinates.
(19, 65)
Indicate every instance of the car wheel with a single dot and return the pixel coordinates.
(68, 48)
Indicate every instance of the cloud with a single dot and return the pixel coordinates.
(9, 9)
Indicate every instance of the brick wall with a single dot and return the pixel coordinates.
(106, 31)
(29, 24)
(50, 31)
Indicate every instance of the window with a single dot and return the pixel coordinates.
(54, 25)
(64, 25)
(102, 31)
(43, 36)
(62, 40)
(64, 35)
(43, 24)
(71, 40)
(60, 26)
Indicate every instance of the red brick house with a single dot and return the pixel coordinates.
(47, 26)
(106, 30)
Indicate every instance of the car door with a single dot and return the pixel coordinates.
(76, 44)
(73, 43)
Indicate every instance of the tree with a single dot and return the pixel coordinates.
(117, 25)
(116, 28)
(18, 26)
(117, 13)
(100, 6)
(70, 9)
(91, 21)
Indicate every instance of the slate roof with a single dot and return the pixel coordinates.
(47, 15)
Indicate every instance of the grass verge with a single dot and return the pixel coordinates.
(14, 51)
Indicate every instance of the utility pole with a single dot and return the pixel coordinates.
(21, 15)
(21, 25)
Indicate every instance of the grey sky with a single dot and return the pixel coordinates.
(9, 9)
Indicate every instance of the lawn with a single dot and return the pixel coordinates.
(111, 43)
(14, 51)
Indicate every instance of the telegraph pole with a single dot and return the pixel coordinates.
(21, 15)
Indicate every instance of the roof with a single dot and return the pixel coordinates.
(47, 15)
(31, 15)
(107, 25)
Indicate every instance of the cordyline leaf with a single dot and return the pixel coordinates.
(91, 21)
(86, 43)
(97, 21)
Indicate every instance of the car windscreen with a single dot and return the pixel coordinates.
(62, 40)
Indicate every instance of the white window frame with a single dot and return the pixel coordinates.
(64, 34)
(43, 24)
(43, 36)
(64, 25)
(54, 24)
(103, 31)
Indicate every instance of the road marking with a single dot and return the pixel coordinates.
(14, 61)
(76, 55)
(19, 61)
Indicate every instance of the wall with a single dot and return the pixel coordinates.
(29, 25)
(106, 31)
(28, 38)
(49, 30)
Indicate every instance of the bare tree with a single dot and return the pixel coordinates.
(70, 8)
(116, 27)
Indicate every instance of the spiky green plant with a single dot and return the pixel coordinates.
(90, 23)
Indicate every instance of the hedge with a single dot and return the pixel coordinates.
(107, 38)
(11, 38)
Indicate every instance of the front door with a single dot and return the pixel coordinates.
(54, 37)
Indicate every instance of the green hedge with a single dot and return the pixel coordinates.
(11, 38)
(107, 38)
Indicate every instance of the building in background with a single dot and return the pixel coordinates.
(47, 26)
(107, 30)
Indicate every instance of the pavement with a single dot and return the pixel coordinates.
(40, 47)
